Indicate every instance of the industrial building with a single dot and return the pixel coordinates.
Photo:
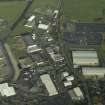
(33, 48)
(47, 81)
(93, 72)
(55, 55)
(76, 94)
(67, 79)
(85, 58)
(30, 22)
(7, 91)
(43, 26)
(25, 62)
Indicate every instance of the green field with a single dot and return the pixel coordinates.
(10, 10)
(83, 9)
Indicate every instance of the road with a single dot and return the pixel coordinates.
(9, 72)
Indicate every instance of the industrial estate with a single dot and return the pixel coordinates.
(48, 57)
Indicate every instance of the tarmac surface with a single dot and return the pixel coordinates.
(90, 27)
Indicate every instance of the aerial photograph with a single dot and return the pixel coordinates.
(52, 52)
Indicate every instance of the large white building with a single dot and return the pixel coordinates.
(43, 26)
(7, 91)
(91, 72)
(46, 80)
(85, 58)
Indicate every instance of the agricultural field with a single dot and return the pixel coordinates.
(85, 10)
(45, 3)
(10, 10)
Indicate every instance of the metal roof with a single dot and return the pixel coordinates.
(93, 71)
(85, 58)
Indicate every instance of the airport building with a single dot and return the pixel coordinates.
(85, 58)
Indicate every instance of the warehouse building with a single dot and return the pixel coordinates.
(85, 58)
(93, 72)
(7, 91)
(76, 94)
(47, 81)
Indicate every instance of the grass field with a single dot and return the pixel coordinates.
(83, 9)
(10, 10)
(44, 3)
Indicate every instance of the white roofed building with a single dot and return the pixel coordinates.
(7, 91)
(46, 80)
(64, 74)
(30, 22)
(43, 26)
(33, 49)
(85, 58)
(56, 13)
(93, 72)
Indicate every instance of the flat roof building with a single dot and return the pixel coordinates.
(57, 57)
(85, 58)
(91, 72)
(43, 26)
(7, 91)
(46, 80)
(76, 94)
(30, 22)
(31, 18)
(33, 48)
